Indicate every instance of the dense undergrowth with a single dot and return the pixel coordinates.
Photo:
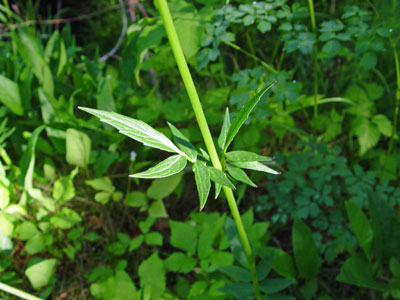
(73, 225)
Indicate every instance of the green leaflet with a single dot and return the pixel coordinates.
(202, 177)
(10, 96)
(183, 143)
(361, 227)
(240, 175)
(224, 130)
(240, 156)
(255, 165)
(135, 129)
(41, 273)
(243, 115)
(306, 254)
(78, 146)
(170, 166)
(219, 177)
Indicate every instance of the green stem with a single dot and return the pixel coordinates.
(315, 55)
(396, 109)
(205, 131)
(17, 292)
(266, 65)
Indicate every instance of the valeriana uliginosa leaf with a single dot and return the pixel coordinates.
(170, 166)
(224, 130)
(239, 175)
(219, 177)
(255, 165)
(243, 115)
(240, 155)
(135, 129)
(202, 177)
(183, 143)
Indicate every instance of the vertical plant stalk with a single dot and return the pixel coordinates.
(315, 55)
(396, 108)
(17, 292)
(205, 131)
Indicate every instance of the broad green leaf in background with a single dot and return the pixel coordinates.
(264, 266)
(41, 273)
(157, 209)
(357, 271)
(32, 53)
(384, 124)
(255, 165)
(9, 95)
(162, 187)
(202, 178)
(190, 32)
(180, 262)
(243, 115)
(386, 227)
(367, 133)
(66, 218)
(283, 263)
(361, 227)
(183, 143)
(275, 285)
(170, 166)
(237, 273)
(183, 236)
(119, 287)
(63, 189)
(306, 254)
(220, 177)
(101, 184)
(135, 129)
(242, 156)
(105, 99)
(240, 175)
(224, 130)
(152, 276)
(78, 146)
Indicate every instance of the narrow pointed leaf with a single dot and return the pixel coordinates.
(135, 129)
(239, 156)
(220, 177)
(202, 177)
(243, 115)
(183, 143)
(255, 165)
(224, 130)
(170, 166)
(240, 175)
(205, 154)
(218, 188)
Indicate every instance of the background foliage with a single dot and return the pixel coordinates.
(74, 226)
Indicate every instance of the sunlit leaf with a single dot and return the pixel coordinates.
(239, 156)
(170, 166)
(255, 165)
(135, 129)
